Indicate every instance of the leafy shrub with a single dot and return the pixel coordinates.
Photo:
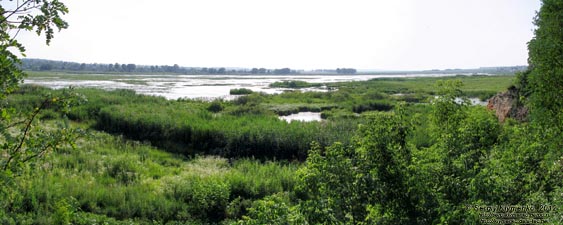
(377, 106)
(274, 209)
(238, 207)
(64, 212)
(206, 199)
(335, 193)
(253, 99)
(294, 84)
(240, 91)
(215, 107)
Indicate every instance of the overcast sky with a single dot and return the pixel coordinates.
(300, 34)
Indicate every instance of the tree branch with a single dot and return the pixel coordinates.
(15, 124)
(18, 147)
(18, 9)
(42, 152)
(16, 35)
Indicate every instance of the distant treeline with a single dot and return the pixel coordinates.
(487, 70)
(52, 65)
(346, 71)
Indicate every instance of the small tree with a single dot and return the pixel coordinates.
(365, 183)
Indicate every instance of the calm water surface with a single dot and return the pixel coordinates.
(196, 86)
(302, 116)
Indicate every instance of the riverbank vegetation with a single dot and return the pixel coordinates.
(388, 151)
(145, 159)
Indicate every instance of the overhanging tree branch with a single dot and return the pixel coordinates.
(13, 152)
(18, 9)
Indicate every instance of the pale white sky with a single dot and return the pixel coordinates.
(300, 34)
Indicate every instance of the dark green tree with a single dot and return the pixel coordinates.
(464, 138)
(546, 76)
(366, 183)
(346, 71)
(131, 67)
(282, 71)
(544, 84)
(46, 67)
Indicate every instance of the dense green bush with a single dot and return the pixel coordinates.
(377, 185)
(204, 198)
(240, 91)
(294, 84)
(372, 106)
(215, 107)
(274, 209)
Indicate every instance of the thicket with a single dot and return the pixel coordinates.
(387, 176)
(372, 106)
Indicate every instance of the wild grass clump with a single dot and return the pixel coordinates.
(252, 179)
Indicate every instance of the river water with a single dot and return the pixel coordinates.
(303, 116)
(196, 86)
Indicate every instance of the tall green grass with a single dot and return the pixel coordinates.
(247, 127)
(187, 129)
(114, 180)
